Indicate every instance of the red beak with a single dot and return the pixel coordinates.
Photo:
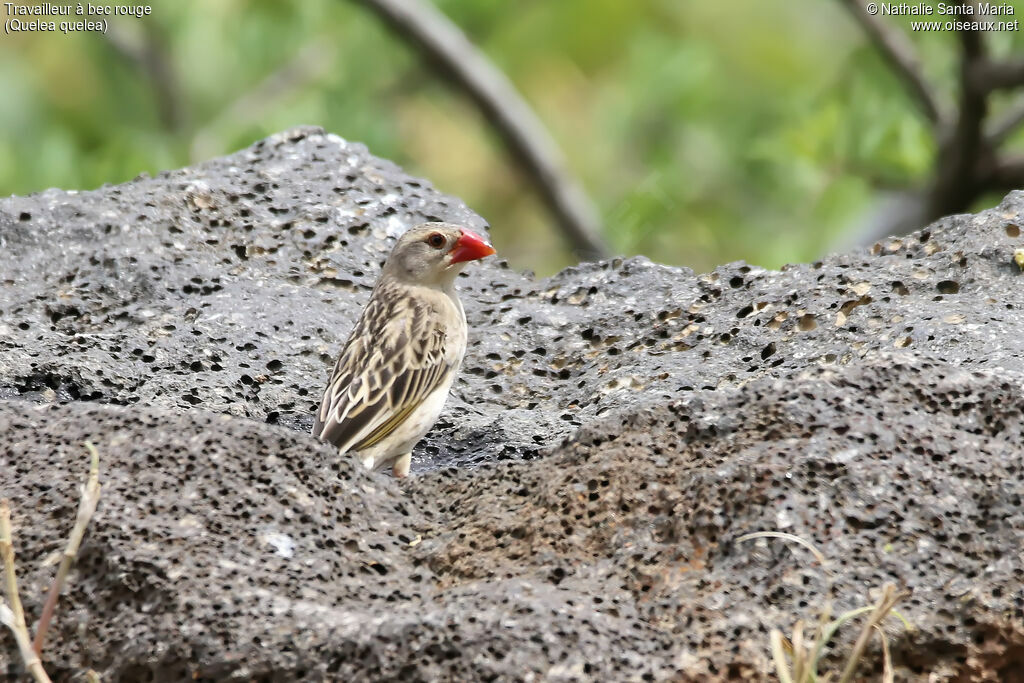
(470, 247)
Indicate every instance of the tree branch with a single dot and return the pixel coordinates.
(1008, 173)
(148, 55)
(899, 53)
(423, 25)
(968, 162)
(962, 153)
(991, 75)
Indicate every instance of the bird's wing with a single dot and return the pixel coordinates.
(393, 360)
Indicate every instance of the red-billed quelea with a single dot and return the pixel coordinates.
(394, 372)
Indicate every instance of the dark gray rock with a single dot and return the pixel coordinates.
(636, 420)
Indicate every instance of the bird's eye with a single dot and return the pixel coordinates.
(436, 240)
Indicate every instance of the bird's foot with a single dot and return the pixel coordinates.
(402, 466)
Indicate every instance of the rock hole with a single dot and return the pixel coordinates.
(807, 322)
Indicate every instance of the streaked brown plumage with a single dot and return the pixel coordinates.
(394, 373)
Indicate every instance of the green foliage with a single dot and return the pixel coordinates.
(705, 131)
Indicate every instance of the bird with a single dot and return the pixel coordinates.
(393, 375)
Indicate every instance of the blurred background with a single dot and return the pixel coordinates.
(702, 131)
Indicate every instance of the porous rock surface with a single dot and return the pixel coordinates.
(574, 515)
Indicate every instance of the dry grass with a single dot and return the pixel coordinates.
(11, 614)
(798, 658)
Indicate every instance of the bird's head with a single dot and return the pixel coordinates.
(434, 253)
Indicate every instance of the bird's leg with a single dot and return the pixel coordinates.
(402, 465)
